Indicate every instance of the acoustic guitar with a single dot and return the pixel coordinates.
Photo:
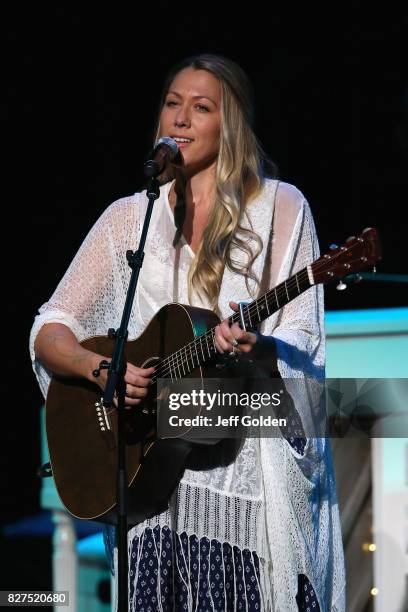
(179, 342)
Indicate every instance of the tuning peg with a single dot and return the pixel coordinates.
(333, 246)
(374, 270)
(341, 286)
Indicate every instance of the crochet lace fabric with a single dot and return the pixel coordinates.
(272, 499)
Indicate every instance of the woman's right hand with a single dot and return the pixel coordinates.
(138, 381)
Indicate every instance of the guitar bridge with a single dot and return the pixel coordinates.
(103, 422)
(102, 417)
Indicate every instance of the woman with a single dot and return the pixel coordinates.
(262, 532)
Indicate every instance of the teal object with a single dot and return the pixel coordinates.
(367, 343)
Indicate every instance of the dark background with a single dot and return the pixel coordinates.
(81, 89)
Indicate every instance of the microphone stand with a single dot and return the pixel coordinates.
(116, 382)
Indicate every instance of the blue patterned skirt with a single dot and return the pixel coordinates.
(170, 572)
(194, 574)
(198, 574)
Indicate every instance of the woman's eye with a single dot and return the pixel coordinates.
(200, 107)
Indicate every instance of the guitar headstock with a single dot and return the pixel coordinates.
(355, 254)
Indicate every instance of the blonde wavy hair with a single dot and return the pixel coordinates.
(239, 179)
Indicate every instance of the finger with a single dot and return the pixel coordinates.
(234, 339)
(145, 372)
(128, 401)
(250, 338)
(227, 342)
(243, 337)
(246, 344)
(231, 334)
(233, 306)
(137, 381)
(132, 401)
(221, 343)
(237, 333)
(136, 392)
(225, 330)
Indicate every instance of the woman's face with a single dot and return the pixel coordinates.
(192, 111)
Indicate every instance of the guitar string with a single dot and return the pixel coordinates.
(173, 362)
(181, 357)
(178, 360)
(235, 317)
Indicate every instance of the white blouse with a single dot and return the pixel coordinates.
(271, 499)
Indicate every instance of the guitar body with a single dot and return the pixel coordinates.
(81, 434)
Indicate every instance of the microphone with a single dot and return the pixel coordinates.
(165, 150)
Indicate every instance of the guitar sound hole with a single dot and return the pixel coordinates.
(150, 362)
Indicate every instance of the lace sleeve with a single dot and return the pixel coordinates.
(300, 487)
(299, 328)
(299, 332)
(89, 297)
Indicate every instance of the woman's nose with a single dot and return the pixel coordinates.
(182, 118)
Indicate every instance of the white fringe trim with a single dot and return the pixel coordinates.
(240, 521)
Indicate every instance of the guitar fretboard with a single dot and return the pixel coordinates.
(202, 349)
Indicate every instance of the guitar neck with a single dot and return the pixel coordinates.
(202, 349)
(270, 302)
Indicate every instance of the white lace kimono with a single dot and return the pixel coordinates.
(271, 500)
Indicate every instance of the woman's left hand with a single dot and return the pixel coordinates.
(233, 339)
